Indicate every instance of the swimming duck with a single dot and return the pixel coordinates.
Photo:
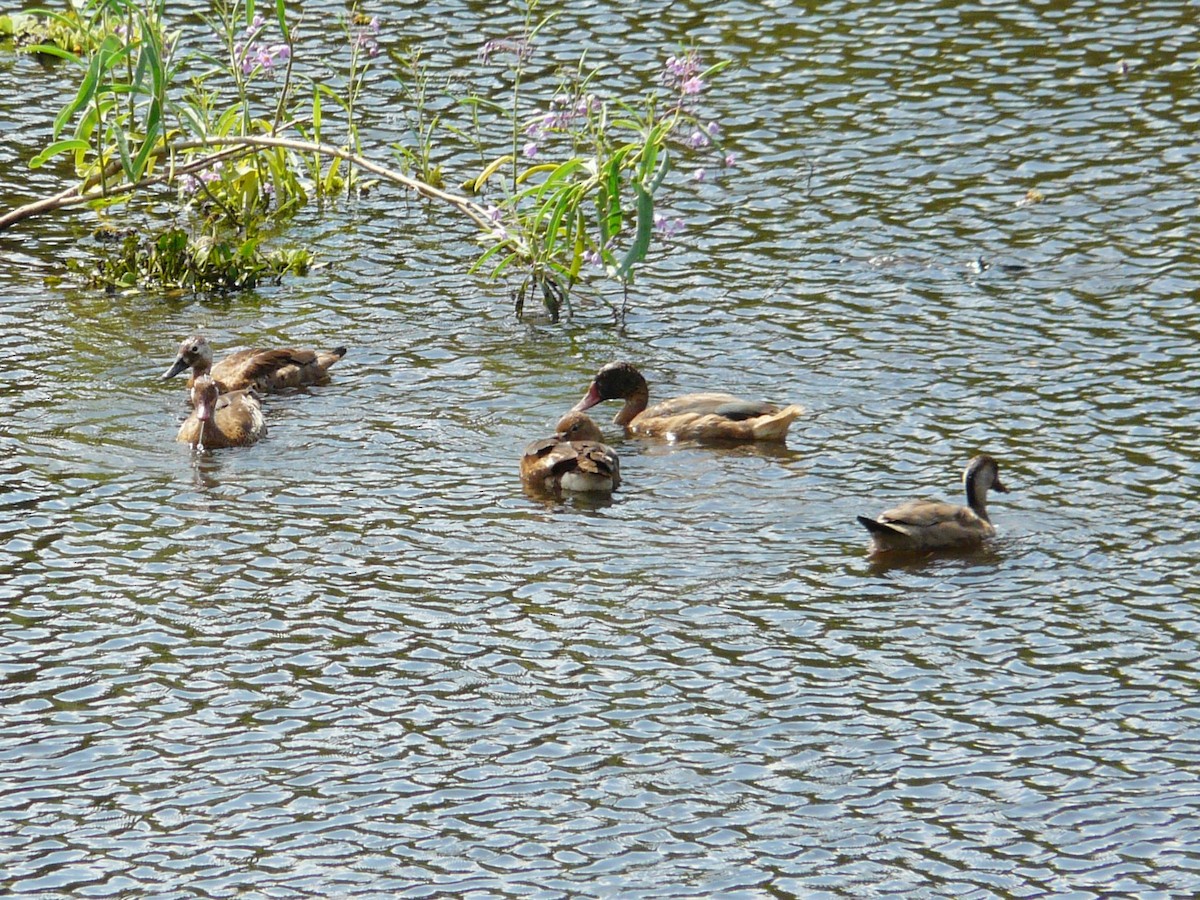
(220, 420)
(575, 459)
(933, 525)
(264, 370)
(694, 417)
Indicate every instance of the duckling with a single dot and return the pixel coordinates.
(575, 459)
(220, 420)
(934, 525)
(692, 417)
(264, 370)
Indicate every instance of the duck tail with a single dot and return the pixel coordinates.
(876, 527)
(327, 358)
(775, 426)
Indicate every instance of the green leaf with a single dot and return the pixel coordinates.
(151, 57)
(153, 125)
(503, 264)
(192, 118)
(641, 240)
(608, 199)
(86, 89)
(281, 18)
(567, 198)
(663, 168)
(488, 254)
(123, 148)
(51, 50)
(56, 148)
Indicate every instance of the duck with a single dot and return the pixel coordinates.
(575, 459)
(693, 417)
(934, 525)
(232, 419)
(266, 371)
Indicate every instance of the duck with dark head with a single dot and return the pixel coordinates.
(711, 417)
(934, 525)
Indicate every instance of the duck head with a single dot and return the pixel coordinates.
(204, 397)
(616, 381)
(577, 426)
(983, 472)
(194, 353)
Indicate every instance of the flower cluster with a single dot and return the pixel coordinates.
(682, 74)
(254, 54)
(666, 227)
(191, 184)
(366, 36)
(565, 112)
(518, 47)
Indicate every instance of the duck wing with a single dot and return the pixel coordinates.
(691, 404)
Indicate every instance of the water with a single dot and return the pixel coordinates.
(357, 660)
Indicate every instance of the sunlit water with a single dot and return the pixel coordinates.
(357, 660)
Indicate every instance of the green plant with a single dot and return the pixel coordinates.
(574, 194)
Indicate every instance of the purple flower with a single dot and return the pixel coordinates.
(699, 175)
(681, 73)
(593, 258)
(696, 140)
(260, 55)
(668, 228)
(494, 214)
(713, 128)
(730, 160)
(518, 47)
(530, 150)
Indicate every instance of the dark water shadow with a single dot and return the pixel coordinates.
(916, 561)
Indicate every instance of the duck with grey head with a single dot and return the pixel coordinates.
(266, 371)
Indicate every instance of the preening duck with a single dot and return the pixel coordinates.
(692, 417)
(575, 459)
(935, 525)
(221, 420)
(264, 370)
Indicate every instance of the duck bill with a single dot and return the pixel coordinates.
(204, 409)
(997, 486)
(176, 367)
(590, 399)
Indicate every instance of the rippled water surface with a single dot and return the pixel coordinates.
(357, 660)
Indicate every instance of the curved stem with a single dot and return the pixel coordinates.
(85, 193)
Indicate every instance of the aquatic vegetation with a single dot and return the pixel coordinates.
(177, 260)
(238, 133)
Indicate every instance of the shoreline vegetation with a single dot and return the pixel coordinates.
(571, 188)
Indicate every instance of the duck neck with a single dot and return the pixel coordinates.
(977, 495)
(635, 402)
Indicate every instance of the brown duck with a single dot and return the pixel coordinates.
(934, 525)
(264, 370)
(692, 417)
(220, 420)
(575, 459)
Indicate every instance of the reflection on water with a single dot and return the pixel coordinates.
(357, 659)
